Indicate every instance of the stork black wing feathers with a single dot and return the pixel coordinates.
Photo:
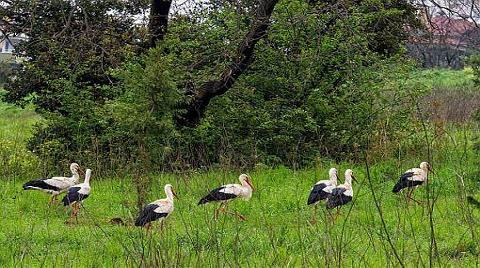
(148, 214)
(39, 184)
(216, 195)
(317, 193)
(338, 198)
(404, 182)
(73, 195)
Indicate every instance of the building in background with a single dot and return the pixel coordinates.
(7, 47)
(450, 34)
(8, 60)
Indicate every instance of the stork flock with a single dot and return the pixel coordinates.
(329, 191)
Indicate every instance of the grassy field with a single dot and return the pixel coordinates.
(16, 123)
(15, 129)
(445, 78)
(278, 231)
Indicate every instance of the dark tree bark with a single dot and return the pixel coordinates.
(200, 97)
(158, 23)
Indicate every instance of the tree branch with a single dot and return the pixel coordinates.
(199, 98)
(157, 26)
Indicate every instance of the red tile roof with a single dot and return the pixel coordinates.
(449, 31)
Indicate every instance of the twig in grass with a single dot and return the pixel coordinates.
(379, 209)
(432, 249)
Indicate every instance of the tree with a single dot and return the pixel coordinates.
(90, 72)
(200, 97)
(71, 50)
(159, 10)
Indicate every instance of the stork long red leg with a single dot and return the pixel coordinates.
(224, 209)
(75, 210)
(314, 215)
(235, 213)
(220, 208)
(409, 193)
(240, 216)
(409, 196)
(215, 214)
(72, 214)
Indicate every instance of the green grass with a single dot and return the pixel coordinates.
(277, 231)
(16, 123)
(15, 129)
(445, 78)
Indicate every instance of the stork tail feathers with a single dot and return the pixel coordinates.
(66, 201)
(397, 187)
(472, 201)
(38, 184)
(30, 184)
(216, 195)
(312, 199)
(204, 200)
(141, 221)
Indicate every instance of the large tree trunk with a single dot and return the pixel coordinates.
(158, 23)
(200, 97)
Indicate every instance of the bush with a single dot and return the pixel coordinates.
(323, 84)
(474, 62)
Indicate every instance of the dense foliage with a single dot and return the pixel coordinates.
(321, 85)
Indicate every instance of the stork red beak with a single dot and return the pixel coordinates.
(431, 169)
(353, 177)
(81, 171)
(175, 194)
(250, 183)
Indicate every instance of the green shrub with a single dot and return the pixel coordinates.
(322, 85)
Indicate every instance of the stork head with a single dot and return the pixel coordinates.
(425, 166)
(170, 192)
(332, 174)
(75, 169)
(246, 181)
(349, 176)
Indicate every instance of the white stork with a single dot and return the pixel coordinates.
(55, 185)
(343, 193)
(157, 210)
(321, 190)
(77, 193)
(225, 193)
(412, 178)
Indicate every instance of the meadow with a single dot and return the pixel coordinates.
(377, 229)
(277, 232)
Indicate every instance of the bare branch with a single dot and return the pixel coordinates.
(201, 97)
(158, 20)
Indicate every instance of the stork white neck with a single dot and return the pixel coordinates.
(348, 178)
(169, 193)
(88, 173)
(332, 173)
(75, 175)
